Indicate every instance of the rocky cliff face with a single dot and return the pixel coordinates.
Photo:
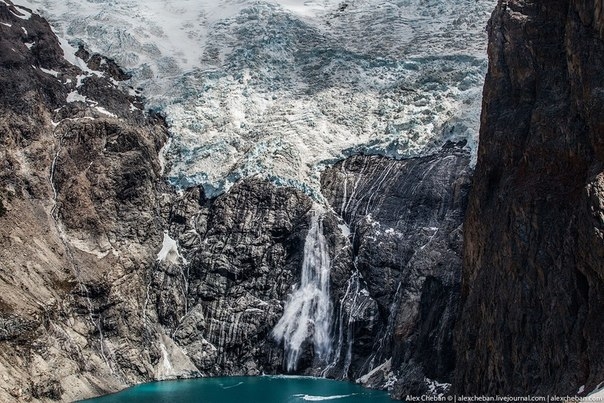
(534, 234)
(108, 277)
(81, 220)
(405, 223)
(393, 233)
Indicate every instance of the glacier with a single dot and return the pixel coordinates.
(280, 89)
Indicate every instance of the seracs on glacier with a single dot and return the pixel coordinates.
(281, 88)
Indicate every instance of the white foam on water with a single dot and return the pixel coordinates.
(313, 398)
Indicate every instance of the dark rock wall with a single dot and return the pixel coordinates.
(533, 281)
(405, 222)
(244, 252)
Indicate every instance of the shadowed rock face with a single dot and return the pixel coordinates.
(394, 240)
(244, 252)
(534, 235)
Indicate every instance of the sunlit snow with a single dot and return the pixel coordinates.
(282, 88)
(169, 251)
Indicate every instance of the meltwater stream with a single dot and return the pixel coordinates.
(308, 311)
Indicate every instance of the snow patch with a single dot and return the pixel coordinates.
(162, 155)
(437, 388)
(596, 395)
(168, 370)
(105, 111)
(169, 251)
(344, 229)
(74, 96)
(51, 72)
(5, 24)
(79, 80)
(21, 13)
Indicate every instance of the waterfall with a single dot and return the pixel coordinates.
(307, 313)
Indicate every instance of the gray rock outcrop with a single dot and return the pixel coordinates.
(404, 219)
(81, 223)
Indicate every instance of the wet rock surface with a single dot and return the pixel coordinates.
(244, 253)
(534, 249)
(404, 219)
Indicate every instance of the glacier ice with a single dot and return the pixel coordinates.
(281, 88)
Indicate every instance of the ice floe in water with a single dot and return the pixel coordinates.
(312, 398)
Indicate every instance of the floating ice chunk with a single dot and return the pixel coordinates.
(232, 386)
(312, 398)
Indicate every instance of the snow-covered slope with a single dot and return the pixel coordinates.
(280, 88)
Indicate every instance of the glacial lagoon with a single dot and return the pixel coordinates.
(261, 389)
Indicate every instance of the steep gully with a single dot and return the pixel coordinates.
(89, 308)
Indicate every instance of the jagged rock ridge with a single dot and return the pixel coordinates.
(81, 193)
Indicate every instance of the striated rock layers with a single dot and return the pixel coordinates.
(533, 281)
(400, 304)
(393, 230)
(108, 277)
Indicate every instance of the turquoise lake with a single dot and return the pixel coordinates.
(262, 389)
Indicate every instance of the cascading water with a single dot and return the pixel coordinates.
(307, 313)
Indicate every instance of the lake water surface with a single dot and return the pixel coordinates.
(262, 389)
